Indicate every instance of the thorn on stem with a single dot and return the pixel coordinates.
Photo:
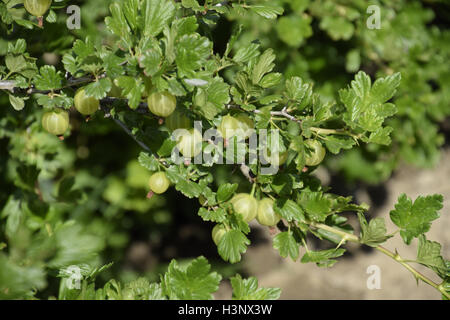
(150, 194)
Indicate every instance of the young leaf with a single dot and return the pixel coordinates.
(268, 11)
(316, 206)
(289, 210)
(414, 219)
(48, 78)
(16, 102)
(15, 63)
(285, 243)
(214, 215)
(366, 104)
(232, 245)
(83, 49)
(429, 254)
(297, 90)
(226, 191)
(151, 61)
(191, 54)
(148, 161)
(117, 24)
(374, 233)
(194, 282)
(189, 188)
(158, 14)
(336, 143)
(247, 53)
(247, 289)
(98, 89)
(264, 65)
(132, 89)
(323, 258)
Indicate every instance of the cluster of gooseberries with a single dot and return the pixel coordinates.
(57, 121)
(249, 208)
(164, 104)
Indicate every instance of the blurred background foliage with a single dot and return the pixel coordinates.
(323, 41)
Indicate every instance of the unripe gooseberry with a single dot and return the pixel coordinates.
(177, 120)
(218, 232)
(246, 205)
(37, 7)
(84, 104)
(162, 104)
(246, 125)
(189, 142)
(314, 153)
(266, 215)
(159, 183)
(56, 122)
(277, 158)
(228, 127)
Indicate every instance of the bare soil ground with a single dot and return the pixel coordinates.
(347, 279)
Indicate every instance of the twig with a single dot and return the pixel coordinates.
(10, 85)
(106, 110)
(7, 85)
(351, 237)
(247, 173)
(282, 113)
(142, 108)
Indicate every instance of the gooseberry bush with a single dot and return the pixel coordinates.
(155, 72)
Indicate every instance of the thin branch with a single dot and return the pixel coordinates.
(10, 85)
(142, 107)
(282, 113)
(247, 173)
(395, 256)
(106, 110)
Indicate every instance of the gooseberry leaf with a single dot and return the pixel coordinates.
(288, 209)
(247, 289)
(48, 78)
(429, 254)
(414, 218)
(192, 282)
(226, 191)
(373, 233)
(232, 245)
(98, 89)
(286, 244)
(323, 258)
(212, 214)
